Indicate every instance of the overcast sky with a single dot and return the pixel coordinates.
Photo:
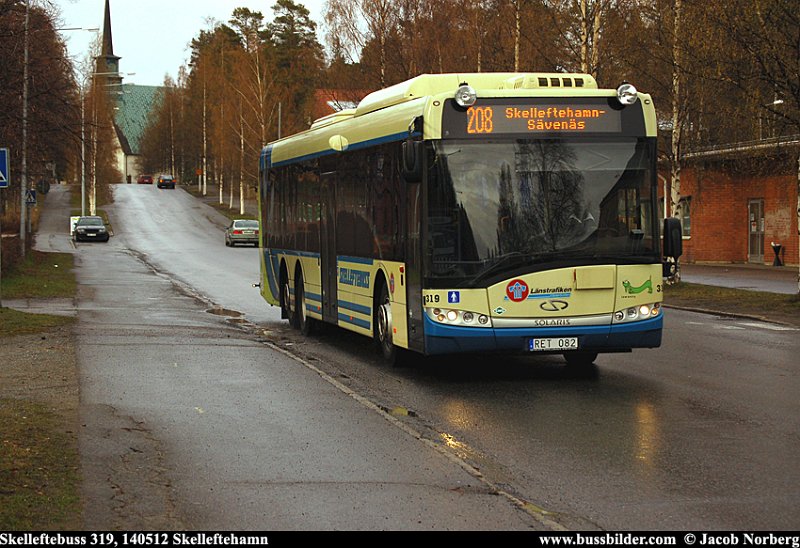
(152, 36)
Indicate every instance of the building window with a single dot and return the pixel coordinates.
(684, 213)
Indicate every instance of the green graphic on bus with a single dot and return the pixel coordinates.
(630, 290)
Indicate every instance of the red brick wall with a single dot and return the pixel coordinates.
(719, 215)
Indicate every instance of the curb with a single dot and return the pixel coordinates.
(729, 314)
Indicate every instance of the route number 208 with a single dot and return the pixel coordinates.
(479, 120)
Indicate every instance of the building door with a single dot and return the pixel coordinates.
(755, 252)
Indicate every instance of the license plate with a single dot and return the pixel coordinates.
(248, 232)
(91, 235)
(556, 343)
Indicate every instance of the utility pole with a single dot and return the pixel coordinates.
(83, 150)
(23, 228)
(205, 140)
(677, 105)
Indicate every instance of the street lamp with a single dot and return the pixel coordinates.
(767, 106)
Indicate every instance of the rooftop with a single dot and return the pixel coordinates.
(133, 116)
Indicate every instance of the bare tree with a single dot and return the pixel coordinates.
(356, 23)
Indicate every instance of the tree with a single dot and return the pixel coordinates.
(768, 31)
(298, 59)
(52, 114)
(357, 23)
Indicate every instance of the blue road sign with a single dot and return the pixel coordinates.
(30, 197)
(5, 175)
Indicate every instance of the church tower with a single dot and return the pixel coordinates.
(107, 62)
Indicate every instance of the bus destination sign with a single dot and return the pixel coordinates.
(498, 117)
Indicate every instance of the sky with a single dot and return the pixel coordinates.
(152, 37)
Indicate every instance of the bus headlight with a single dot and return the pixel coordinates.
(462, 318)
(465, 96)
(637, 313)
(627, 94)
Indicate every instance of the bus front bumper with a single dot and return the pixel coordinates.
(446, 339)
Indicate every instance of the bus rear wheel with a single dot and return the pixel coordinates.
(286, 302)
(383, 327)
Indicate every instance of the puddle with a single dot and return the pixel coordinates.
(219, 311)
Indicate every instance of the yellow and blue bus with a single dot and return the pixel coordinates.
(481, 212)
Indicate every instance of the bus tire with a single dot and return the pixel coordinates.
(580, 358)
(304, 323)
(286, 298)
(383, 326)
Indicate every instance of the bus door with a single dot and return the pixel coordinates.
(413, 195)
(328, 266)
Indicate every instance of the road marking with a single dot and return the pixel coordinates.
(748, 325)
(770, 326)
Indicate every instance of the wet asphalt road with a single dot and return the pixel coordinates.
(702, 434)
(189, 421)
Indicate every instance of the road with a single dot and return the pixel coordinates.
(191, 382)
(190, 421)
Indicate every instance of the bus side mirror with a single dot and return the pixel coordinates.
(412, 161)
(673, 245)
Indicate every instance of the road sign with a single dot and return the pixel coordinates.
(5, 175)
(30, 197)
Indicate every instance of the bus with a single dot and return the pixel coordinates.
(488, 212)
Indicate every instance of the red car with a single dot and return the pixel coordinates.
(145, 180)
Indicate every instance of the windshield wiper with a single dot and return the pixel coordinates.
(503, 260)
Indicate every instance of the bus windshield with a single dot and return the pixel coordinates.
(499, 206)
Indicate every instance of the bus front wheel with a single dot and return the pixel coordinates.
(304, 323)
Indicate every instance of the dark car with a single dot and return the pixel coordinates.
(145, 180)
(166, 181)
(90, 228)
(242, 231)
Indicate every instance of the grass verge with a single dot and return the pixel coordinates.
(39, 478)
(22, 323)
(231, 214)
(40, 276)
(771, 306)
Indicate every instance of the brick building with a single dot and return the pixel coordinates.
(740, 199)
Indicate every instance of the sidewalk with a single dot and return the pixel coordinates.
(772, 279)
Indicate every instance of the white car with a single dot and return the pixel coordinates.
(242, 231)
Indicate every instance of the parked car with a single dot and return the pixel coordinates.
(166, 181)
(145, 180)
(242, 231)
(90, 228)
